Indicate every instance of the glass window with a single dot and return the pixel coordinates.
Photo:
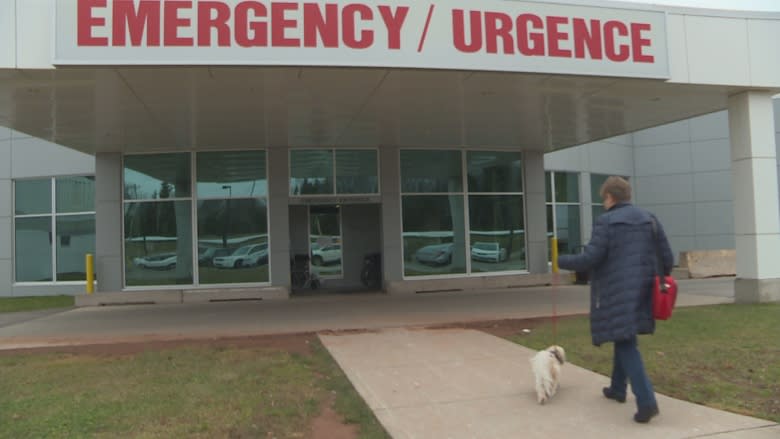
(431, 171)
(596, 180)
(356, 172)
(311, 172)
(158, 243)
(325, 240)
(33, 249)
(597, 211)
(75, 194)
(236, 174)
(75, 238)
(233, 241)
(433, 235)
(32, 197)
(497, 234)
(567, 187)
(160, 176)
(567, 218)
(39, 219)
(495, 172)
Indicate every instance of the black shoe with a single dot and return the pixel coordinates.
(644, 414)
(609, 393)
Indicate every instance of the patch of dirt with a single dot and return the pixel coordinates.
(330, 425)
(294, 343)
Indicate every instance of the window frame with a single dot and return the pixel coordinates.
(52, 216)
(465, 194)
(193, 199)
(334, 186)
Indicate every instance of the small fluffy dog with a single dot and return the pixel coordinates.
(546, 366)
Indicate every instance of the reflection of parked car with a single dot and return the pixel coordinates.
(325, 255)
(248, 255)
(488, 252)
(206, 255)
(436, 254)
(165, 261)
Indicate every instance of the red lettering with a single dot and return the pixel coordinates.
(498, 25)
(587, 37)
(86, 21)
(326, 27)
(279, 24)
(207, 21)
(459, 31)
(173, 22)
(615, 52)
(638, 43)
(259, 29)
(147, 18)
(554, 37)
(348, 20)
(394, 23)
(525, 37)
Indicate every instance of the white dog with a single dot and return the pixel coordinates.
(546, 366)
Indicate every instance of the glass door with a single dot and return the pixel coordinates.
(325, 241)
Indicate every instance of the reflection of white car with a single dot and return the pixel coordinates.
(165, 261)
(328, 254)
(435, 254)
(246, 256)
(488, 252)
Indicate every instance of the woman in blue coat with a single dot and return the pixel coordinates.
(621, 257)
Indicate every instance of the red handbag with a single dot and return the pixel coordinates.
(664, 297)
(664, 294)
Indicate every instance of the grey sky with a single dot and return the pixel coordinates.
(743, 5)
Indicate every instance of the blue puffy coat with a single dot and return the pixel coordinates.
(621, 260)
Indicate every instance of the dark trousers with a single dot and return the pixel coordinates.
(627, 366)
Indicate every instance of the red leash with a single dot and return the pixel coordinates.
(555, 283)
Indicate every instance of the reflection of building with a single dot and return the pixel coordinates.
(437, 162)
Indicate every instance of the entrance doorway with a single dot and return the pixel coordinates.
(333, 239)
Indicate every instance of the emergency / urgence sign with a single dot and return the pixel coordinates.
(490, 35)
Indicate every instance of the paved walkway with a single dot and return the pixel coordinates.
(457, 383)
(421, 383)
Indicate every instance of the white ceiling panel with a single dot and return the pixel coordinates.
(204, 108)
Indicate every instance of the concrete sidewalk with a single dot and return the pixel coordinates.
(132, 323)
(456, 383)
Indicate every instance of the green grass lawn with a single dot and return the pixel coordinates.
(194, 391)
(724, 356)
(16, 304)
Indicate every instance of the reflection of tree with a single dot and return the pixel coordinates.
(166, 190)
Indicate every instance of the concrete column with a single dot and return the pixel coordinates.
(586, 210)
(754, 180)
(109, 264)
(535, 212)
(392, 242)
(6, 214)
(279, 218)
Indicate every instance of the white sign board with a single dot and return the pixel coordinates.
(444, 34)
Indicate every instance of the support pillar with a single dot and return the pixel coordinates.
(109, 264)
(392, 242)
(535, 212)
(279, 218)
(756, 213)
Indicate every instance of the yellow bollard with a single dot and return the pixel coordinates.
(554, 253)
(89, 261)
